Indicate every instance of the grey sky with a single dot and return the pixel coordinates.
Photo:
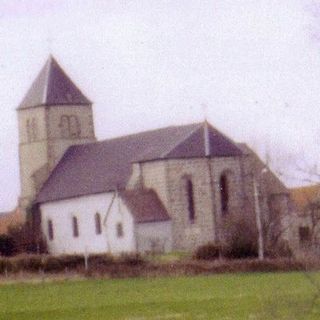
(255, 65)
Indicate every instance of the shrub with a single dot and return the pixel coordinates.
(241, 238)
(71, 261)
(209, 251)
(97, 260)
(52, 264)
(241, 248)
(27, 263)
(24, 240)
(5, 265)
(7, 247)
(280, 250)
(131, 259)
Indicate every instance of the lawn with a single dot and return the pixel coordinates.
(226, 296)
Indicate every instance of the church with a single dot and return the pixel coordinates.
(168, 189)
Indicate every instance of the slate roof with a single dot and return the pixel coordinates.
(106, 165)
(144, 205)
(53, 87)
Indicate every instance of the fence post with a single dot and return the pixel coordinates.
(86, 256)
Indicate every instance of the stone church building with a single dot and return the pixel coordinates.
(169, 189)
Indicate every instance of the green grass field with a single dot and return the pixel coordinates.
(227, 296)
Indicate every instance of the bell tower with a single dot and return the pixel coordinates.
(53, 115)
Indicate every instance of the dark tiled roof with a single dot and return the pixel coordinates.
(104, 166)
(53, 87)
(144, 205)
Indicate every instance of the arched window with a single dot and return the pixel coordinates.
(74, 126)
(189, 190)
(119, 230)
(29, 133)
(69, 127)
(50, 230)
(224, 193)
(75, 227)
(32, 130)
(97, 220)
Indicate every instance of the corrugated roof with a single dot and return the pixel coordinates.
(104, 166)
(53, 87)
(144, 205)
(304, 196)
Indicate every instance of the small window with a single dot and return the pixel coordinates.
(224, 193)
(119, 230)
(75, 227)
(50, 230)
(97, 219)
(28, 127)
(304, 235)
(32, 130)
(190, 201)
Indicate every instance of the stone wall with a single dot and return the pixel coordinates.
(169, 177)
(32, 148)
(212, 224)
(58, 144)
(41, 143)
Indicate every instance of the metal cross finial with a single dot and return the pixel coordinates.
(49, 39)
(206, 131)
(204, 111)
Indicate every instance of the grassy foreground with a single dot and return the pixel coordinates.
(225, 296)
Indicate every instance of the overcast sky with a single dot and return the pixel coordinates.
(254, 66)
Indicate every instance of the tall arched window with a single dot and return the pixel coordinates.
(120, 232)
(224, 193)
(75, 227)
(189, 189)
(97, 220)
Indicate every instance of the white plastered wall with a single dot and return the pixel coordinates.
(154, 237)
(84, 208)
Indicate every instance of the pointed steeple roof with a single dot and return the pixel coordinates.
(53, 87)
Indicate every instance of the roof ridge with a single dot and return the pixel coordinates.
(145, 131)
(231, 140)
(46, 84)
(198, 125)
